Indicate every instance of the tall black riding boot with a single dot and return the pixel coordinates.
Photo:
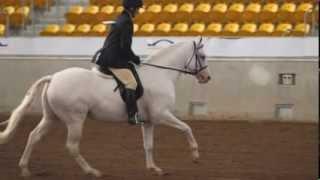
(132, 107)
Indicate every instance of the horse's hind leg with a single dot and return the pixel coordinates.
(167, 118)
(34, 137)
(73, 141)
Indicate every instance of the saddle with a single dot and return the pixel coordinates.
(120, 85)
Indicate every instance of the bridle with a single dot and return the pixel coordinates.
(198, 65)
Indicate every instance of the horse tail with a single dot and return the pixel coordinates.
(18, 113)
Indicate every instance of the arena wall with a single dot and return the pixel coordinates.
(245, 86)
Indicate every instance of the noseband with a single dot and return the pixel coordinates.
(198, 65)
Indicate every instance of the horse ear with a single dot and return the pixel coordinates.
(200, 40)
(200, 44)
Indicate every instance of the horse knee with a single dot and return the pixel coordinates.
(187, 130)
(34, 136)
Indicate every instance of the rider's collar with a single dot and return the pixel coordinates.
(129, 13)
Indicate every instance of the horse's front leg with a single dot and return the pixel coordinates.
(148, 133)
(167, 118)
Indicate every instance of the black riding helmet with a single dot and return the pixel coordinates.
(132, 3)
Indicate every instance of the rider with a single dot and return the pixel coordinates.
(117, 56)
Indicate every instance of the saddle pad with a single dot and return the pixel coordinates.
(105, 76)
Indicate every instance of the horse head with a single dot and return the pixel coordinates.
(198, 63)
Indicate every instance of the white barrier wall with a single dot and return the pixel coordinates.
(243, 88)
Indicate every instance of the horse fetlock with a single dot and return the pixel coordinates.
(25, 172)
(94, 172)
(195, 155)
(156, 170)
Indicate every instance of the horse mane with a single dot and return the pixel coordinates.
(158, 55)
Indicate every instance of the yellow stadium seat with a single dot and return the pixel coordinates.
(73, 14)
(20, 17)
(316, 15)
(119, 10)
(301, 29)
(283, 29)
(287, 12)
(98, 30)
(146, 29)
(163, 29)
(234, 12)
(265, 29)
(231, 29)
(269, 12)
(2, 30)
(151, 13)
(184, 12)
(6, 13)
(304, 13)
(67, 30)
(106, 13)
(89, 13)
(218, 12)
(213, 29)
(196, 29)
(50, 30)
(168, 13)
(179, 29)
(135, 28)
(202, 12)
(82, 30)
(248, 29)
(251, 12)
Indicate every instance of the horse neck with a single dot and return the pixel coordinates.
(177, 59)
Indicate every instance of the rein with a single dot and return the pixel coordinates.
(187, 64)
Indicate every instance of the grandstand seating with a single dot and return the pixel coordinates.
(163, 29)
(98, 30)
(301, 29)
(202, 12)
(234, 13)
(283, 29)
(146, 29)
(67, 30)
(89, 14)
(82, 30)
(50, 30)
(251, 12)
(213, 29)
(179, 17)
(196, 29)
(265, 29)
(6, 13)
(230, 29)
(248, 29)
(20, 17)
(179, 29)
(304, 13)
(218, 12)
(286, 12)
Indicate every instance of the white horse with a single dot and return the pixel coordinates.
(74, 94)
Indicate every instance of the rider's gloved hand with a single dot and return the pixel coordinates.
(136, 60)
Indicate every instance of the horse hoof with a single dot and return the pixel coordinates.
(26, 173)
(95, 173)
(157, 171)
